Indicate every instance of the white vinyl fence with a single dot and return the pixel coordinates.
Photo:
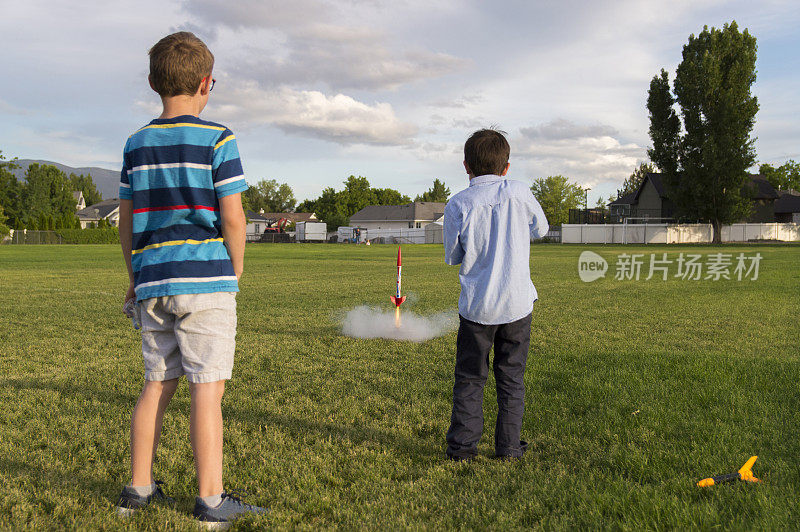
(675, 233)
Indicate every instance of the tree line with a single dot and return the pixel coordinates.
(44, 200)
(334, 207)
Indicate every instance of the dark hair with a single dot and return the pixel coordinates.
(486, 152)
(178, 64)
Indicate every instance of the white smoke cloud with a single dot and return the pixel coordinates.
(369, 322)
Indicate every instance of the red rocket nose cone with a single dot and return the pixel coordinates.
(399, 257)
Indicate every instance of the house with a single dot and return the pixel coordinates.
(764, 196)
(651, 201)
(80, 202)
(621, 207)
(105, 210)
(258, 221)
(787, 206)
(410, 216)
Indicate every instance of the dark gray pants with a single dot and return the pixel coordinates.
(511, 342)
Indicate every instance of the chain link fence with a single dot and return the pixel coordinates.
(27, 236)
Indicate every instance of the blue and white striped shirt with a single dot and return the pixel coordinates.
(488, 230)
(175, 170)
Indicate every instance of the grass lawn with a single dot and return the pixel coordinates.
(635, 390)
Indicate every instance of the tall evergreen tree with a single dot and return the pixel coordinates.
(705, 168)
(437, 193)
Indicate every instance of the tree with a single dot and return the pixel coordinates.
(331, 209)
(389, 196)
(68, 221)
(357, 194)
(437, 193)
(86, 185)
(635, 180)
(336, 208)
(557, 196)
(306, 206)
(705, 168)
(270, 196)
(4, 229)
(601, 203)
(784, 177)
(47, 192)
(10, 192)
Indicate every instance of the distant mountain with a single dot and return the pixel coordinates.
(106, 181)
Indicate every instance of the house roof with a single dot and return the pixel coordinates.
(787, 202)
(657, 183)
(627, 199)
(104, 210)
(761, 187)
(419, 210)
(77, 195)
(275, 216)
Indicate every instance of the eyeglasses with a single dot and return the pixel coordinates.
(213, 82)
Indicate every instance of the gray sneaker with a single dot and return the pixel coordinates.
(130, 501)
(220, 517)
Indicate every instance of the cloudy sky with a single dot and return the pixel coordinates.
(317, 90)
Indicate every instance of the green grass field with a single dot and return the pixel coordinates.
(635, 390)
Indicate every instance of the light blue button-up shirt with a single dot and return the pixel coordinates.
(488, 230)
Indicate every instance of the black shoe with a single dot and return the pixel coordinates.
(523, 445)
(130, 501)
(220, 517)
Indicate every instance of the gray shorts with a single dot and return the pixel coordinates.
(188, 334)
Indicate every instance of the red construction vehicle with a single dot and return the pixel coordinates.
(276, 226)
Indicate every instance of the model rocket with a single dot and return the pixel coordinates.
(397, 299)
(745, 474)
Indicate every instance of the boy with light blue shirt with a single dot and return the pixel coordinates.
(487, 230)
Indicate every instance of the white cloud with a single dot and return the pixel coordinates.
(7, 108)
(338, 118)
(462, 102)
(346, 63)
(309, 41)
(591, 154)
(561, 128)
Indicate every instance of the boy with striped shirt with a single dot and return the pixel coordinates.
(182, 230)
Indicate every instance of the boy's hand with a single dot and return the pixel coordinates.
(130, 294)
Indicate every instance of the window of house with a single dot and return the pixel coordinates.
(258, 227)
(411, 225)
(419, 225)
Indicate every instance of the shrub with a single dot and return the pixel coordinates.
(108, 235)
